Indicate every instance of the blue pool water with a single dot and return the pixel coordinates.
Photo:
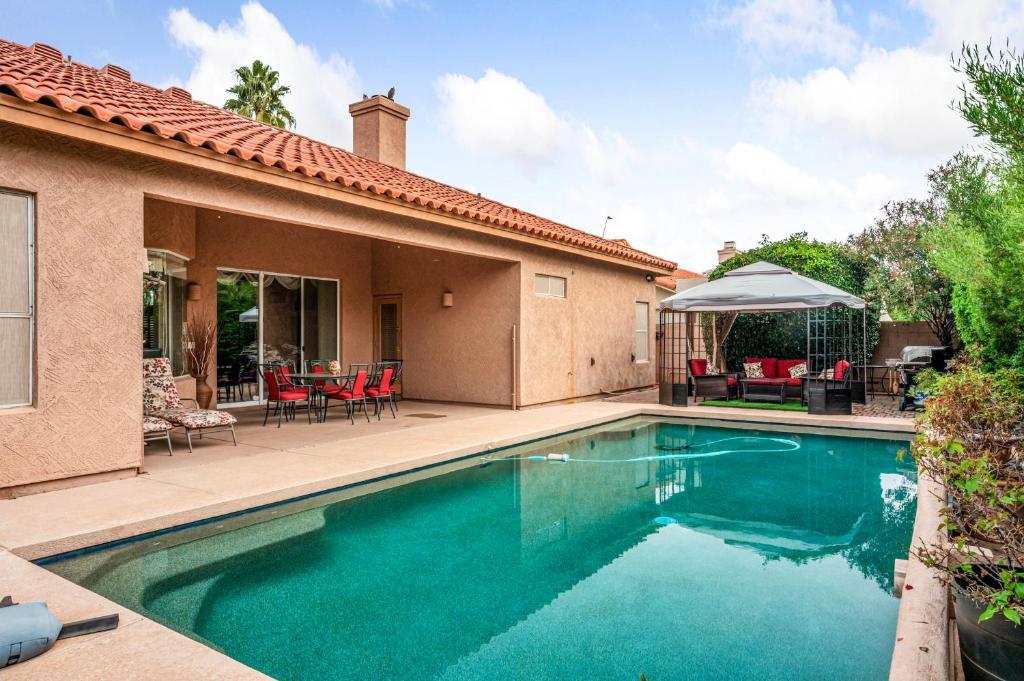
(669, 549)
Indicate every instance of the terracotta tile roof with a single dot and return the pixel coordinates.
(670, 280)
(687, 274)
(40, 73)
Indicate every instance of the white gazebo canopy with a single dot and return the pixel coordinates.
(761, 287)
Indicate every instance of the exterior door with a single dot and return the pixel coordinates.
(387, 330)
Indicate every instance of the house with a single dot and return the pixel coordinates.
(125, 209)
(680, 280)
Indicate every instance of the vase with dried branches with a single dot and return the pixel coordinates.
(198, 340)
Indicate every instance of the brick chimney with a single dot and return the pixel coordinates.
(378, 130)
(727, 251)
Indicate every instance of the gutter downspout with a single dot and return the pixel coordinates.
(515, 369)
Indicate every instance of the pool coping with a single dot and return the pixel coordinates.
(927, 644)
(179, 651)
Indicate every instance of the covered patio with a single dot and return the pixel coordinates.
(292, 293)
(254, 438)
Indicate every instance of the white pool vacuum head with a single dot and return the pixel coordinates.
(30, 629)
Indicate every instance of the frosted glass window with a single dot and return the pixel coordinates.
(641, 337)
(17, 313)
(547, 285)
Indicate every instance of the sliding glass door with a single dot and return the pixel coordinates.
(319, 319)
(268, 317)
(238, 328)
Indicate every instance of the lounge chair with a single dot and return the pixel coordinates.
(155, 428)
(160, 398)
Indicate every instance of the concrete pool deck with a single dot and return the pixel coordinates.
(271, 465)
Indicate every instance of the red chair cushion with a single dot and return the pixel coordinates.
(377, 392)
(793, 381)
(730, 381)
(758, 381)
(291, 395)
(698, 367)
(769, 365)
(786, 364)
(842, 366)
(330, 389)
(342, 395)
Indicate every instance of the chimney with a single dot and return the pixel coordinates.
(727, 251)
(378, 130)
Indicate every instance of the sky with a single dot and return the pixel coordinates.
(689, 123)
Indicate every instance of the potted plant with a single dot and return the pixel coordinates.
(971, 440)
(199, 339)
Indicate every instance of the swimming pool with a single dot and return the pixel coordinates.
(676, 550)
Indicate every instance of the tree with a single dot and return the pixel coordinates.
(901, 275)
(992, 100)
(259, 96)
(978, 248)
(785, 334)
(978, 244)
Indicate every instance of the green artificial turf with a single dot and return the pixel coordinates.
(788, 405)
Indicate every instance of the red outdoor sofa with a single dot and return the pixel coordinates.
(726, 384)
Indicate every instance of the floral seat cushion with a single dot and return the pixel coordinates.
(159, 391)
(154, 424)
(197, 418)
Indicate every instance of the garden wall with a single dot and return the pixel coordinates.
(895, 336)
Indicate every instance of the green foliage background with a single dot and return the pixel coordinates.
(784, 335)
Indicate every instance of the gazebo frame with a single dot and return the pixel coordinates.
(830, 324)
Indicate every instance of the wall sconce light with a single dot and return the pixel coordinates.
(649, 277)
(195, 292)
(447, 299)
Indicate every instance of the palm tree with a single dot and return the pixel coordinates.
(258, 96)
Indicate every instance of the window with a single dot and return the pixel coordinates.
(641, 342)
(17, 306)
(163, 309)
(547, 285)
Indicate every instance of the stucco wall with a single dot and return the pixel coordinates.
(89, 263)
(462, 353)
(90, 216)
(594, 321)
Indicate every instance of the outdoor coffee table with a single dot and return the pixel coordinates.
(764, 389)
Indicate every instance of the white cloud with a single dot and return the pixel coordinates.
(878, 22)
(898, 100)
(498, 115)
(955, 22)
(321, 88)
(774, 27)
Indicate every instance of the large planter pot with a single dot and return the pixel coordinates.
(204, 393)
(992, 650)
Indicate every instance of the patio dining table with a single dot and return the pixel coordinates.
(311, 380)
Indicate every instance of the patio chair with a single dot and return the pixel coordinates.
(725, 385)
(396, 397)
(281, 393)
(160, 398)
(230, 380)
(383, 391)
(354, 393)
(249, 375)
(155, 428)
(325, 386)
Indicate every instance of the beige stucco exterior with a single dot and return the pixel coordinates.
(98, 208)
